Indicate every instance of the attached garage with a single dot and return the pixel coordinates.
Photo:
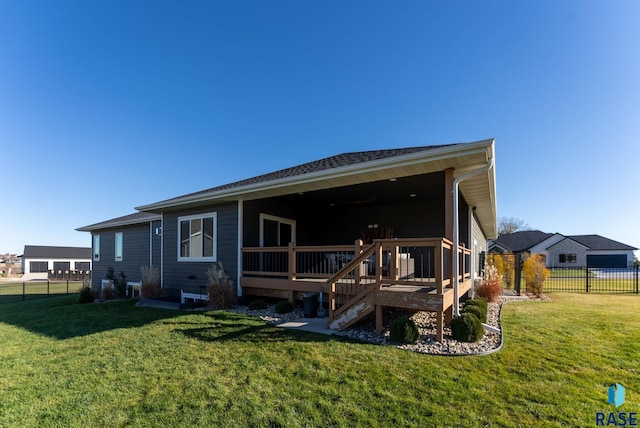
(618, 261)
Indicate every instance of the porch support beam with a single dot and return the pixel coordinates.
(448, 203)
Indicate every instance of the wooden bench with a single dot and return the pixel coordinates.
(193, 296)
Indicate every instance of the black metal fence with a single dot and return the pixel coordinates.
(29, 290)
(592, 280)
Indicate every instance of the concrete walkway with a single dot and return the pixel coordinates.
(314, 325)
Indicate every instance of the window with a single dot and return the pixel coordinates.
(118, 246)
(197, 237)
(63, 266)
(82, 266)
(567, 258)
(38, 267)
(96, 248)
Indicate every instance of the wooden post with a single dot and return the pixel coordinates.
(378, 264)
(448, 315)
(292, 261)
(448, 203)
(357, 248)
(379, 313)
(439, 327)
(332, 300)
(439, 267)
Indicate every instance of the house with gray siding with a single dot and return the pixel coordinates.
(398, 214)
(571, 251)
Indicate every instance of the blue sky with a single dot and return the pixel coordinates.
(107, 105)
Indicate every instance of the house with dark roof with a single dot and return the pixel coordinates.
(567, 251)
(43, 262)
(367, 229)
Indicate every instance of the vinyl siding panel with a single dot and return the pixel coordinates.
(176, 273)
(136, 253)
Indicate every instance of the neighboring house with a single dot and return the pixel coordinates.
(42, 262)
(567, 251)
(297, 230)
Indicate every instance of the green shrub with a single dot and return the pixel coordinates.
(257, 305)
(86, 295)
(476, 310)
(466, 328)
(403, 330)
(284, 307)
(478, 300)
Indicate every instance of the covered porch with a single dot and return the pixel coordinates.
(359, 280)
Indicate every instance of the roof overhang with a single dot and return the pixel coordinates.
(129, 220)
(479, 191)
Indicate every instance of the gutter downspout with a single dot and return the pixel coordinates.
(456, 233)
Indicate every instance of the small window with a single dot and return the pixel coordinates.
(119, 246)
(197, 237)
(567, 258)
(96, 248)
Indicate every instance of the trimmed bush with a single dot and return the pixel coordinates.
(403, 330)
(86, 295)
(489, 289)
(466, 328)
(257, 305)
(284, 307)
(476, 310)
(477, 301)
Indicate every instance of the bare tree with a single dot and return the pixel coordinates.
(511, 224)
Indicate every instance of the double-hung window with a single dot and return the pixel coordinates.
(197, 241)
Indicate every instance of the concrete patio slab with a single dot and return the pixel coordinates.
(314, 325)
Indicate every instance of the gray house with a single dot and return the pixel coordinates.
(567, 251)
(395, 215)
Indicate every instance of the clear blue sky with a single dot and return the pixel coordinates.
(107, 105)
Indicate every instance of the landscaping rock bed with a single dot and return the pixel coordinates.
(426, 322)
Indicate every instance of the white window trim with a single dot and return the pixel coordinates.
(214, 215)
(280, 220)
(96, 251)
(118, 258)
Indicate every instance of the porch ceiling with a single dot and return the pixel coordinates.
(479, 190)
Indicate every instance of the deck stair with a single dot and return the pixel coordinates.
(351, 298)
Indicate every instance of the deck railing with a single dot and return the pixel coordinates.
(425, 262)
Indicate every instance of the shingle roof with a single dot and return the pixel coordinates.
(45, 252)
(597, 242)
(135, 218)
(521, 241)
(332, 162)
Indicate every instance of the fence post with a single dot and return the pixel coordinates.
(517, 277)
(67, 286)
(48, 295)
(23, 285)
(586, 269)
(636, 277)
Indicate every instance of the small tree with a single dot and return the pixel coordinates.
(509, 266)
(119, 282)
(511, 225)
(535, 273)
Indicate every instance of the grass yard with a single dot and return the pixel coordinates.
(13, 291)
(112, 364)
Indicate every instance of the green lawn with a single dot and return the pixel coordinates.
(112, 364)
(12, 291)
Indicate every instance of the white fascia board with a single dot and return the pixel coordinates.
(432, 155)
(107, 224)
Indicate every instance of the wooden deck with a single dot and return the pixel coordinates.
(359, 281)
